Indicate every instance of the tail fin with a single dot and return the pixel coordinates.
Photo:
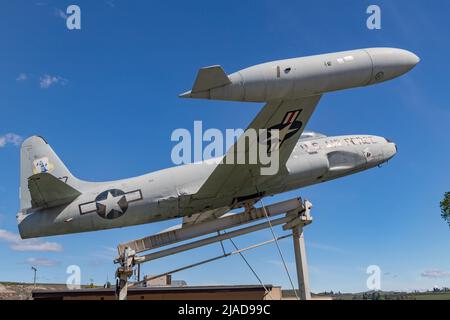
(44, 179)
(208, 78)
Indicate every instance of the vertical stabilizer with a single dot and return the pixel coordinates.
(37, 157)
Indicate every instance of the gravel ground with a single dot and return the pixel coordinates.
(22, 291)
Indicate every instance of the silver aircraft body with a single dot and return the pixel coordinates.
(53, 201)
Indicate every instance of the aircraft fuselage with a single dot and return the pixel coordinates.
(167, 193)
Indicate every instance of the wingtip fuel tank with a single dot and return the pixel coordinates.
(301, 77)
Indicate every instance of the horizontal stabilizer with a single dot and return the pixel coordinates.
(48, 191)
(209, 78)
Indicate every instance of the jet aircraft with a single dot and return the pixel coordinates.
(54, 202)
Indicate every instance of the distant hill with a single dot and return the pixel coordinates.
(22, 291)
(377, 295)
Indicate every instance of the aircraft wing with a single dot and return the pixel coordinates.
(290, 118)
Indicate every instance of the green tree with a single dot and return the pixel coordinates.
(445, 208)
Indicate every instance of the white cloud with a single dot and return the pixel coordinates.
(10, 138)
(17, 244)
(325, 247)
(435, 273)
(102, 257)
(61, 14)
(110, 250)
(22, 77)
(42, 262)
(30, 245)
(46, 81)
(8, 236)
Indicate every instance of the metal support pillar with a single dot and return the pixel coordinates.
(296, 225)
(301, 265)
(124, 272)
(138, 272)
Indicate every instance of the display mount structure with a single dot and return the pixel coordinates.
(296, 216)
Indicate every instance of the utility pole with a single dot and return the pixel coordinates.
(34, 278)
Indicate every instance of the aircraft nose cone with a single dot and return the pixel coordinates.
(414, 59)
(389, 63)
(390, 150)
(410, 60)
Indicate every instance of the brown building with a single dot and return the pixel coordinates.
(248, 292)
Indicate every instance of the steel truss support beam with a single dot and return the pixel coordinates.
(297, 215)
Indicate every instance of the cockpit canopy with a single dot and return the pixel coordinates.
(308, 135)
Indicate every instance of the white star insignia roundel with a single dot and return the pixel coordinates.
(111, 203)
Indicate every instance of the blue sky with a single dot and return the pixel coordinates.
(105, 97)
